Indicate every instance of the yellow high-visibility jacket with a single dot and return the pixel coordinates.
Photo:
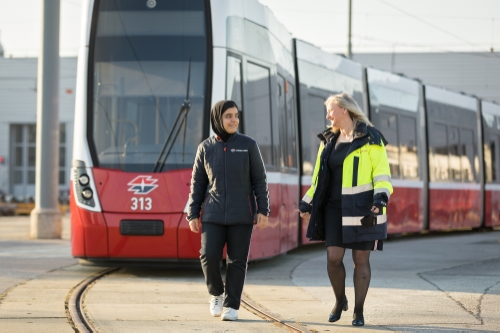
(366, 182)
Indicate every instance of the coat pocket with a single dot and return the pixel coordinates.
(363, 206)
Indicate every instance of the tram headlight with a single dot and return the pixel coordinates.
(151, 4)
(87, 193)
(84, 180)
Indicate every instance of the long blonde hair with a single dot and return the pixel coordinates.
(346, 101)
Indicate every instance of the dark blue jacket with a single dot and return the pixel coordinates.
(227, 178)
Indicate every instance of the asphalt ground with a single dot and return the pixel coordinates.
(446, 282)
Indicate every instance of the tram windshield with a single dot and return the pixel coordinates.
(142, 55)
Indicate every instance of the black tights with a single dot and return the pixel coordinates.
(361, 277)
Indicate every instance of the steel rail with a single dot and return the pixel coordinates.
(80, 323)
(74, 303)
(275, 318)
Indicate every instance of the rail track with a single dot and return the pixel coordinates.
(74, 303)
(272, 317)
(81, 323)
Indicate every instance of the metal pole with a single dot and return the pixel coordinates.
(349, 45)
(46, 218)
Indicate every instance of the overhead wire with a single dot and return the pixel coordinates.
(432, 25)
(419, 18)
(471, 53)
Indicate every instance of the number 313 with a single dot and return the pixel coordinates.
(141, 203)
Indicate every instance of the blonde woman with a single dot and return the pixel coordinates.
(351, 183)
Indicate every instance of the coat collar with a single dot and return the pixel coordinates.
(231, 138)
(325, 135)
(360, 131)
(363, 134)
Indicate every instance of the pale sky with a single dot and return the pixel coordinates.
(378, 25)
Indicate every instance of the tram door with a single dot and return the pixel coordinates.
(289, 189)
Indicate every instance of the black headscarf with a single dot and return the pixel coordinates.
(216, 118)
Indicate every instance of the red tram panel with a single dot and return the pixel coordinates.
(453, 209)
(404, 212)
(492, 206)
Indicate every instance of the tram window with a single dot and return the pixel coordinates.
(438, 159)
(257, 114)
(408, 148)
(388, 127)
(233, 86)
(313, 121)
(282, 119)
(291, 131)
(491, 125)
(454, 142)
(142, 60)
(469, 158)
(493, 161)
(489, 163)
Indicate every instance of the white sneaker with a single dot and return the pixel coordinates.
(229, 314)
(216, 305)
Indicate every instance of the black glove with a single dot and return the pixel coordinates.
(380, 202)
(369, 221)
(379, 209)
(305, 207)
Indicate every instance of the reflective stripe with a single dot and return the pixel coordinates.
(382, 178)
(357, 189)
(307, 198)
(383, 190)
(356, 220)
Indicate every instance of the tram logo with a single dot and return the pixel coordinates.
(142, 184)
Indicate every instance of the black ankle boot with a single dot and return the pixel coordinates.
(359, 320)
(336, 316)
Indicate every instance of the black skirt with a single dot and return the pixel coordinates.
(333, 230)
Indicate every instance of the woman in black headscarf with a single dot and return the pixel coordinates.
(229, 195)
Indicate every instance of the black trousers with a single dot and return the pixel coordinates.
(213, 238)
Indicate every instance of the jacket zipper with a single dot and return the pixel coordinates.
(225, 184)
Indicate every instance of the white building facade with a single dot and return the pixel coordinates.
(18, 113)
(474, 73)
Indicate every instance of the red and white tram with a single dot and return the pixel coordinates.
(148, 73)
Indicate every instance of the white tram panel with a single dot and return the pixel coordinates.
(450, 97)
(81, 150)
(341, 75)
(232, 22)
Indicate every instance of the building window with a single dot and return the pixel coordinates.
(23, 159)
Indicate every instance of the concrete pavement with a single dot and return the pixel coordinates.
(433, 283)
(449, 282)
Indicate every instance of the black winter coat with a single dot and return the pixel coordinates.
(226, 179)
(316, 226)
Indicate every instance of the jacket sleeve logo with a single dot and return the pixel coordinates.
(142, 184)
